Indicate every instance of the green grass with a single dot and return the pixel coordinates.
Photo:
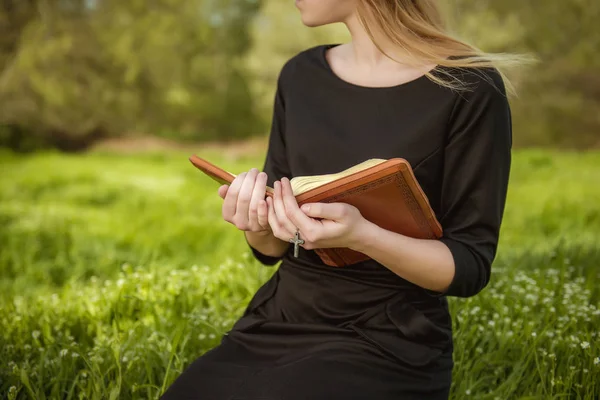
(118, 271)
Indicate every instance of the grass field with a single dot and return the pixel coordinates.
(117, 271)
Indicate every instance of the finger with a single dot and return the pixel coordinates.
(258, 194)
(263, 217)
(230, 201)
(293, 212)
(332, 211)
(244, 197)
(284, 232)
(276, 228)
(284, 221)
(223, 191)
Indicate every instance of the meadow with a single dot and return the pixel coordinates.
(117, 271)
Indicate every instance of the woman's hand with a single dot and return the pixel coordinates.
(338, 224)
(244, 205)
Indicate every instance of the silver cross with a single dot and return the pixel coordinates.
(297, 241)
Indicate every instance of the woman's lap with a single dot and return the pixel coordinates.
(230, 372)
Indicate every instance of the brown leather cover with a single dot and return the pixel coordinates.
(387, 195)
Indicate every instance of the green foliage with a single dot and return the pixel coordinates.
(127, 66)
(119, 272)
(559, 97)
(73, 72)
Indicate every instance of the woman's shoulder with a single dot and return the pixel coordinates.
(303, 60)
(476, 81)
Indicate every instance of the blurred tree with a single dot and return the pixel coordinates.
(78, 70)
(73, 71)
(51, 82)
(560, 96)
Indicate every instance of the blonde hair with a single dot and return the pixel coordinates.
(417, 26)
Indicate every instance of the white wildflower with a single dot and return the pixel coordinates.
(468, 392)
(584, 345)
(491, 323)
(596, 360)
(533, 334)
(64, 352)
(35, 334)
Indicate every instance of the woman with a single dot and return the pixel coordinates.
(379, 329)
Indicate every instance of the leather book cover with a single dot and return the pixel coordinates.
(386, 194)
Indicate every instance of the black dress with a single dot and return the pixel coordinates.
(362, 332)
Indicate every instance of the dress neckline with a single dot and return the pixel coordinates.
(323, 56)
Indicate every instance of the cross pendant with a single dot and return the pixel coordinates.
(297, 241)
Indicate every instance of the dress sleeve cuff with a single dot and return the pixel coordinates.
(467, 280)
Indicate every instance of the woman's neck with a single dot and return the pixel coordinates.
(365, 53)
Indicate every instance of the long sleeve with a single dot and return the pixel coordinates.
(276, 165)
(477, 164)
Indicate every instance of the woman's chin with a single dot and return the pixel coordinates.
(311, 22)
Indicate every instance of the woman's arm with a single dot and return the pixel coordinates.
(477, 159)
(426, 263)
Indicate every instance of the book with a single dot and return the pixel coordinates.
(385, 191)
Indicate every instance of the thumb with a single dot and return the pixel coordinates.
(322, 210)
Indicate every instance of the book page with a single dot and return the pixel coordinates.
(302, 184)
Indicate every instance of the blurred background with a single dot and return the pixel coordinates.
(116, 267)
(75, 72)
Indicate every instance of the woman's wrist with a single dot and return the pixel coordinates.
(363, 236)
(266, 243)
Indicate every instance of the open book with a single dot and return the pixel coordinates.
(385, 192)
